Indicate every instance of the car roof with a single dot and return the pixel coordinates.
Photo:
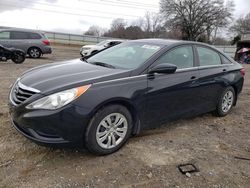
(171, 42)
(164, 42)
(22, 30)
(168, 42)
(119, 40)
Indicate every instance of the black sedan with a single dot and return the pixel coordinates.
(100, 102)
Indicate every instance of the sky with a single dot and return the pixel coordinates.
(76, 16)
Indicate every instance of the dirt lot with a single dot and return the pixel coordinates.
(148, 160)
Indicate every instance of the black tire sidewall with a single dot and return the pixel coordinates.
(219, 110)
(18, 53)
(40, 53)
(90, 135)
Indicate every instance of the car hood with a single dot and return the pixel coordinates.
(88, 46)
(69, 74)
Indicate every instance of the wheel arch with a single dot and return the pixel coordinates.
(34, 47)
(127, 104)
(236, 93)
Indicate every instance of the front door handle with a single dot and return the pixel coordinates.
(193, 77)
(224, 70)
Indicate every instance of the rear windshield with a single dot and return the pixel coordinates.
(34, 36)
(44, 36)
(102, 43)
(128, 55)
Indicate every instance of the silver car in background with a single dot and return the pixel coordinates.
(32, 43)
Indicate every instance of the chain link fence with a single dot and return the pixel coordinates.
(73, 39)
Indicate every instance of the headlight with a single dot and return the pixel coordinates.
(59, 99)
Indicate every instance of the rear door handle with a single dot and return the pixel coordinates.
(193, 77)
(224, 70)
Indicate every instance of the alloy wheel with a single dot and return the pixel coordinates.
(34, 52)
(227, 101)
(111, 131)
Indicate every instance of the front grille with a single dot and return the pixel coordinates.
(21, 93)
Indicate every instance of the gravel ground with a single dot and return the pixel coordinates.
(147, 160)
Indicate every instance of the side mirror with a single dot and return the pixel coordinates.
(164, 68)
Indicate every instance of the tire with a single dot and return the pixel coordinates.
(18, 57)
(118, 133)
(226, 102)
(34, 52)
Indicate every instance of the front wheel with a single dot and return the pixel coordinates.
(108, 130)
(226, 102)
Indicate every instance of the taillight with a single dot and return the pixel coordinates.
(243, 71)
(46, 42)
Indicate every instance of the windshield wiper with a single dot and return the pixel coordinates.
(103, 64)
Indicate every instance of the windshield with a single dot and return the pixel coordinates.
(101, 43)
(126, 55)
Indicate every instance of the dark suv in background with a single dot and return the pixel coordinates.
(32, 43)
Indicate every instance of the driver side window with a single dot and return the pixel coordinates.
(182, 57)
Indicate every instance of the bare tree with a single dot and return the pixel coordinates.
(242, 25)
(117, 29)
(138, 22)
(118, 24)
(148, 26)
(95, 31)
(174, 33)
(147, 22)
(222, 20)
(151, 24)
(196, 17)
(134, 32)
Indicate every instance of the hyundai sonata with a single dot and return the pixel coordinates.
(99, 102)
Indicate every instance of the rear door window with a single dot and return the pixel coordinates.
(44, 36)
(208, 57)
(5, 35)
(19, 35)
(225, 60)
(34, 36)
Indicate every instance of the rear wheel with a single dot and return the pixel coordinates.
(226, 102)
(18, 57)
(108, 130)
(34, 52)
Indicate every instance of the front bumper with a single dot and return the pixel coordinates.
(34, 136)
(62, 127)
